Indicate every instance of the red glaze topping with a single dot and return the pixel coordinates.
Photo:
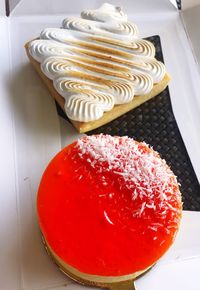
(109, 206)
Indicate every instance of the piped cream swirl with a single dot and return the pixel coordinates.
(122, 92)
(111, 29)
(40, 49)
(105, 13)
(97, 61)
(136, 49)
(86, 106)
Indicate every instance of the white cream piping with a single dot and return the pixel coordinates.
(97, 61)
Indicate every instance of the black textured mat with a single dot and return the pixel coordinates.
(154, 123)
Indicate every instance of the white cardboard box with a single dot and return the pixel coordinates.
(32, 133)
(2, 8)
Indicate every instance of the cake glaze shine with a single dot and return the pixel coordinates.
(109, 206)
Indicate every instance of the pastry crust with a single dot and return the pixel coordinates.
(107, 117)
(87, 279)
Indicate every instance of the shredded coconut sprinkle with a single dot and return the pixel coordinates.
(139, 169)
(107, 218)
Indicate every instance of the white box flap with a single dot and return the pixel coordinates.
(190, 11)
(2, 8)
(191, 20)
(27, 7)
(9, 259)
(13, 4)
(185, 4)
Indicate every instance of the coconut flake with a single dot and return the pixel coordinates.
(144, 173)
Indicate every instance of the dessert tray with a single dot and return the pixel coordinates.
(154, 122)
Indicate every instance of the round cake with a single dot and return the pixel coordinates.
(108, 208)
